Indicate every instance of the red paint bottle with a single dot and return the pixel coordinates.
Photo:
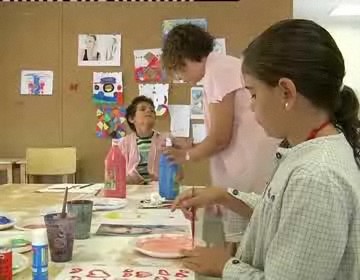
(115, 172)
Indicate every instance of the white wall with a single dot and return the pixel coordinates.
(347, 37)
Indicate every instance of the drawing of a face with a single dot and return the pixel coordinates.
(90, 41)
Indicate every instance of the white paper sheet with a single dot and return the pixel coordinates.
(198, 132)
(96, 270)
(180, 120)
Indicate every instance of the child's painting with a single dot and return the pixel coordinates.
(135, 230)
(148, 66)
(171, 23)
(35, 82)
(108, 88)
(159, 94)
(111, 122)
(197, 103)
(99, 49)
(86, 271)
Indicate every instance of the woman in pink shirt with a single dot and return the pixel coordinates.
(240, 152)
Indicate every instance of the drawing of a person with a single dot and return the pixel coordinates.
(90, 52)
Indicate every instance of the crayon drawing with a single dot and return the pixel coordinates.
(36, 82)
(108, 88)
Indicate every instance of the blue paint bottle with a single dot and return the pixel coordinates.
(40, 254)
(168, 185)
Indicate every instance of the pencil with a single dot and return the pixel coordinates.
(193, 219)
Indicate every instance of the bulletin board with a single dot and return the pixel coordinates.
(44, 36)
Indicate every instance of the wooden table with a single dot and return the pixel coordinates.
(23, 202)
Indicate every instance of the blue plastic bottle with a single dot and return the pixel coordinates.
(40, 254)
(168, 185)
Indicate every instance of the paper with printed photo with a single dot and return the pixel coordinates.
(197, 103)
(99, 49)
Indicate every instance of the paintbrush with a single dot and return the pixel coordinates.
(63, 211)
(193, 219)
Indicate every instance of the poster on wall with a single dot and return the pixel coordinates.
(99, 49)
(197, 103)
(147, 65)
(111, 121)
(35, 82)
(171, 23)
(159, 94)
(108, 88)
(219, 45)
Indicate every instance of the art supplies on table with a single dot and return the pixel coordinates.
(113, 272)
(28, 224)
(40, 254)
(155, 202)
(73, 188)
(136, 230)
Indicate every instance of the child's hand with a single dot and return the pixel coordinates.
(134, 180)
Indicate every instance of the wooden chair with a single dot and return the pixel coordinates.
(51, 161)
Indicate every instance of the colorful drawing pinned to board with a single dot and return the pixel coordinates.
(108, 88)
(148, 66)
(36, 82)
(171, 23)
(111, 122)
(159, 94)
(82, 271)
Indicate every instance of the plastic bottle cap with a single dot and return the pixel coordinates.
(115, 142)
(168, 142)
(39, 236)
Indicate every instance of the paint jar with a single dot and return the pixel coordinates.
(82, 210)
(60, 232)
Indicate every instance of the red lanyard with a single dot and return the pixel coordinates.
(313, 133)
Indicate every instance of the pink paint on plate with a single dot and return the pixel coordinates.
(164, 245)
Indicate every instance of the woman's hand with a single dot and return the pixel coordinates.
(197, 199)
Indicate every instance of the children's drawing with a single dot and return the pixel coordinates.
(159, 94)
(170, 24)
(99, 50)
(36, 82)
(148, 66)
(111, 122)
(82, 271)
(197, 103)
(135, 230)
(108, 88)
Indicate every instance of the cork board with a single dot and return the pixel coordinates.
(44, 36)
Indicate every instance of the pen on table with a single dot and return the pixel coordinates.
(84, 186)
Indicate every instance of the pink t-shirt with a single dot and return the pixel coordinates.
(247, 163)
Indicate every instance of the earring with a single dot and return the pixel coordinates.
(286, 105)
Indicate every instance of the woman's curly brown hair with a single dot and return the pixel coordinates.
(185, 41)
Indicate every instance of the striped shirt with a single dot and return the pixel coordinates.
(144, 145)
(306, 225)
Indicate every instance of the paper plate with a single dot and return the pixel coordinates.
(6, 221)
(19, 262)
(165, 246)
(20, 241)
(30, 223)
(107, 203)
